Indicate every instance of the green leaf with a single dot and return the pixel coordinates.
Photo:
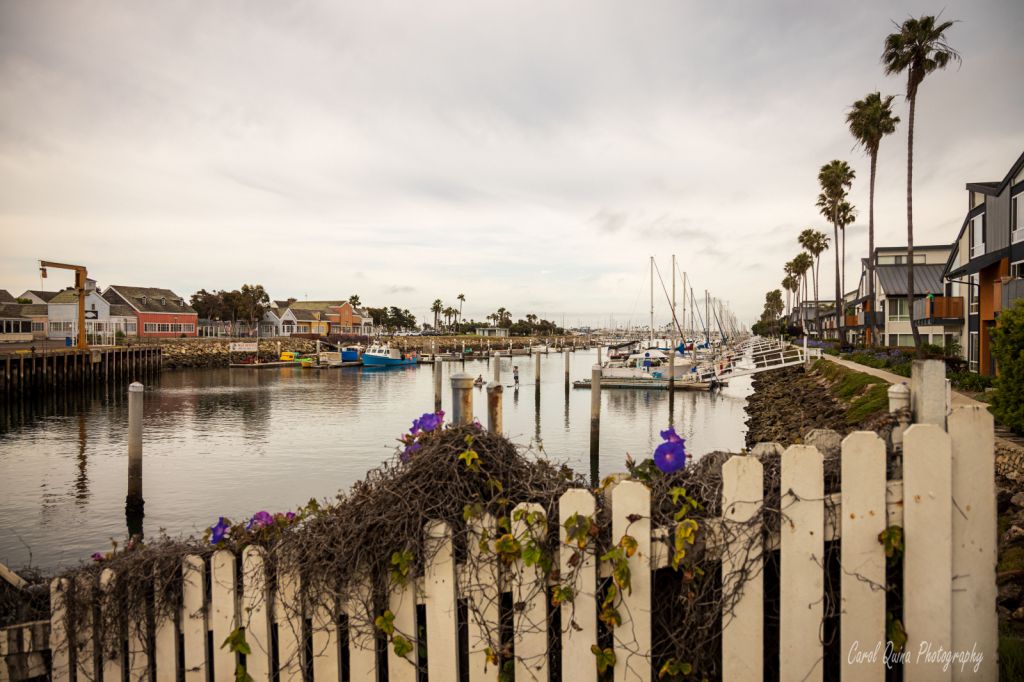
(495, 484)
(576, 528)
(241, 675)
(894, 631)
(673, 667)
(613, 555)
(508, 547)
(471, 459)
(386, 622)
(561, 594)
(628, 542)
(402, 645)
(471, 511)
(622, 575)
(517, 515)
(469, 440)
(676, 493)
(531, 554)
(605, 658)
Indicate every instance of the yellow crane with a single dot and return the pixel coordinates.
(80, 276)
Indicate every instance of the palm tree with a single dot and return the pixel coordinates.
(353, 300)
(801, 264)
(835, 178)
(870, 120)
(846, 215)
(436, 308)
(462, 299)
(815, 243)
(501, 315)
(918, 47)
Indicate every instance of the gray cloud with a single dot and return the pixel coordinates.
(470, 147)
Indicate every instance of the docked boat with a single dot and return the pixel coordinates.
(651, 363)
(383, 355)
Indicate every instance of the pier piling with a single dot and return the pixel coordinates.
(536, 371)
(494, 395)
(566, 354)
(497, 367)
(438, 366)
(134, 503)
(462, 399)
(595, 421)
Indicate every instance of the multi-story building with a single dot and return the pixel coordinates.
(986, 265)
(160, 312)
(104, 321)
(39, 297)
(337, 317)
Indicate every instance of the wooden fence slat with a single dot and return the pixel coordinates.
(59, 645)
(529, 593)
(112, 641)
(440, 598)
(802, 553)
(289, 618)
(742, 575)
(582, 611)
(362, 652)
(326, 646)
(85, 639)
(402, 603)
(255, 613)
(633, 638)
(4, 674)
(223, 620)
(927, 561)
(975, 624)
(193, 624)
(482, 594)
(138, 654)
(166, 640)
(862, 585)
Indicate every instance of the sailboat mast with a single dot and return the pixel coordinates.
(652, 301)
(672, 339)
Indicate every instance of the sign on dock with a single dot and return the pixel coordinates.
(244, 347)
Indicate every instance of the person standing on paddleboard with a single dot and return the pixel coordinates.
(515, 373)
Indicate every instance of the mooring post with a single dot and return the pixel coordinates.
(497, 367)
(494, 393)
(134, 502)
(595, 421)
(438, 366)
(566, 368)
(462, 399)
(536, 371)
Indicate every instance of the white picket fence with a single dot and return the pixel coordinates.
(945, 504)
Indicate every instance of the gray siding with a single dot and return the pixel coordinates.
(1012, 290)
(997, 212)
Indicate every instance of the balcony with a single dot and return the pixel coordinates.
(864, 319)
(850, 320)
(940, 310)
(1011, 291)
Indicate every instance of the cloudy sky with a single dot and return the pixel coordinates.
(530, 155)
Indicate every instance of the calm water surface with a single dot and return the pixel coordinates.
(233, 442)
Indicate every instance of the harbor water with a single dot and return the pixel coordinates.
(232, 442)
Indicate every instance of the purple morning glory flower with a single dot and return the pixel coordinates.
(259, 520)
(428, 422)
(409, 449)
(98, 557)
(290, 516)
(670, 455)
(219, 531)
(671, 436)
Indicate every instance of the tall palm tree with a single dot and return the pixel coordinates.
(835, 178)
(815, 243)
(918, 47)
(436, 308)
(801, 264)
(462, 299)
(846, 215)
(353, 300)
(870, 119)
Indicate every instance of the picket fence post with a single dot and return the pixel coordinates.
(529, 589)
(402, 603)
(60, 644)
(289, 618)
(193, 571)
(166, 639)
(633, 637)
(86, 649)
(927, 537)
(862, 584)
(440, 597)
(742, 562)
(483, 595)
(579, 617)
(802, 580)
(223, 619)
(326, 644)
(362, 646)
(112, 642)
(975, 624)
(255, 613)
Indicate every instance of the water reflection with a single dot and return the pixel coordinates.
(233, 442)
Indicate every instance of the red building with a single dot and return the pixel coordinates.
(161, 312)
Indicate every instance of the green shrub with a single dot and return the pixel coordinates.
(1008, 351)
(969, 381)
(1011, 560)
(853, 382)
(1011, 655)
(875, 400)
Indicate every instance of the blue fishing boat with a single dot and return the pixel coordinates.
(384, 355)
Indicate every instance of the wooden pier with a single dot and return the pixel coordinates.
(650, 384)
(26, 373)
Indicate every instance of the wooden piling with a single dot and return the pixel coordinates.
(134, 502)
(438, 366)
(494, 395)
(462, 399)
(595, 421)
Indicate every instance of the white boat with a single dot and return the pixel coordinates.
(381, 355)
(651, 363)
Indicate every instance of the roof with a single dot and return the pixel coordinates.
(34, 309)
(45, 296)
(996, 188)
(314, 305)
(65, 296)
(893, 279)
(926, 247)
(11, 310)
(133, 296)
(302, 314)
(121, 310)
(280, 304)
(5, 297)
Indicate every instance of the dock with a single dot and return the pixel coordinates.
(650, 384)
(46, 372)
(263, 365)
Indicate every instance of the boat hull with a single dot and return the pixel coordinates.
(378, 361)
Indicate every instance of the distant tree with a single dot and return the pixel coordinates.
(234, 306)
(1008, 352)
(520, 328)
(254, 302)
(436, 307)
(353, 301)
(23, 301)
(835, 177)
(870, 119)
(462, 299)
(918, 47)
(815, 243)
(208, 306)
(379, 315)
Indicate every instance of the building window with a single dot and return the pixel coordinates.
(919, 259)
(188, 328)
(39, 326)
(978, 236)
(972, 295)
(973, 352)
(902, 340)
(149, 328)
(335, 328)
(287, 329)
(131, 327)
(1017, 269)
(898, 311)
(163, 328)
(303, 328)
(1016, 220)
